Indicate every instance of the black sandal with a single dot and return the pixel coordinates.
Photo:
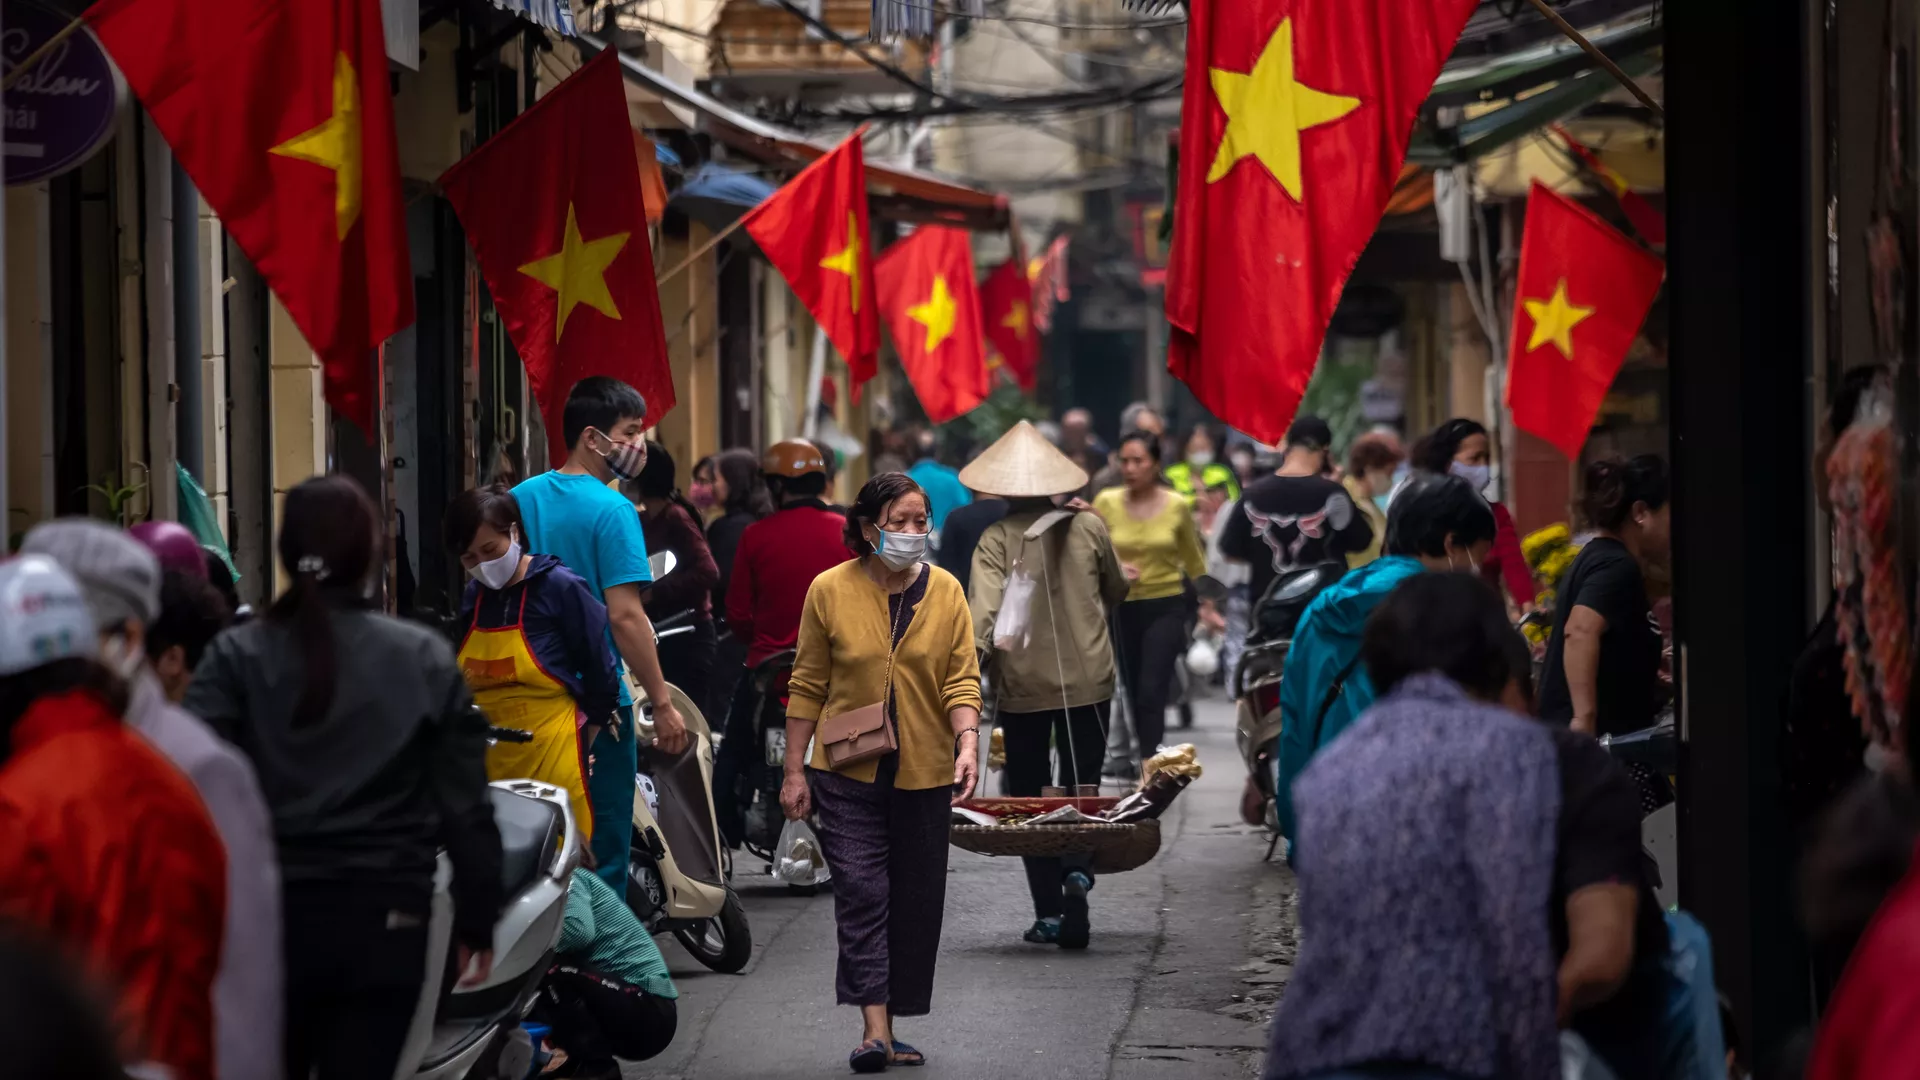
(872, 1057)
(906, 1056)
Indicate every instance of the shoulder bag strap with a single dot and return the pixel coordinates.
(1333, 694)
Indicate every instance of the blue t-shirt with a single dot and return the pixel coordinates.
(945, 492)
(591, 528)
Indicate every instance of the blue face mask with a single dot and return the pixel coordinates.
(1477, 475)
(1382, 500)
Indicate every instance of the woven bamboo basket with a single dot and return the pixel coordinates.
(1115, 847)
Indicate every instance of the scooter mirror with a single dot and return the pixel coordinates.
(661, 563)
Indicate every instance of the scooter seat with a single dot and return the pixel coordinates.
(530, 833)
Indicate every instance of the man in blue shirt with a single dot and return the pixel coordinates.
(945, 492)
(572, 514)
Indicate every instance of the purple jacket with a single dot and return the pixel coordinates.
(1427, 833)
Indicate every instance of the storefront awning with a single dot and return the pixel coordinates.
(555, 15)
(894, 193)
(716, 196)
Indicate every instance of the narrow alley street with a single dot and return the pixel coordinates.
(1188, 955)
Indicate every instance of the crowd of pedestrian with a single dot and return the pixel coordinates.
(234, 824)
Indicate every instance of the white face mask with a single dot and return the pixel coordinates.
(122, 656)
(495, 573)
(900, 550)
(1477, 475)
(1200, 459)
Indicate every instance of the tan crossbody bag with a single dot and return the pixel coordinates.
(863, 734)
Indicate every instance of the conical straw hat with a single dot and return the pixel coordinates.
(1023, 464)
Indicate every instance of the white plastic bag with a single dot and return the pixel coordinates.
(1011, 626)
(797, 859)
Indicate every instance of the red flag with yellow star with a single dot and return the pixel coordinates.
(1582, 293)
(814, 231)
(1294, 123)
(279, 110)
(1006, 303)
(933, 309)
(553, 208)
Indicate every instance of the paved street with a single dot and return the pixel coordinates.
(1188, 954)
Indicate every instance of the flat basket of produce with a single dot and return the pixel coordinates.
(1118, 833)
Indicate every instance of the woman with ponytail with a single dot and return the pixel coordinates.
(371, 757)
(1460, 447)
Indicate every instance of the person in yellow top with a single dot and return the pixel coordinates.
(887, 627)
(1371, 461)
(1159, 545)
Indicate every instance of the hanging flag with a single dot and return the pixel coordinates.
(1583, 291)
(280, 112)
(1294, 126)
(1006, 305)
(814, 231)
(927, 292)
(1048, 275)
(553, 210)
(1650, 223)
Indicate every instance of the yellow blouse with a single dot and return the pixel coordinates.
(1162, 547)
(840, 664)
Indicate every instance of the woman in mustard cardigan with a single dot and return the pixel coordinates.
(883, 823)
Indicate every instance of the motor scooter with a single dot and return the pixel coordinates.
(474, 1032)
(1256, 686)
(676, 866)
(1657, 748)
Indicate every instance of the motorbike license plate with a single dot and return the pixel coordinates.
(777, 747)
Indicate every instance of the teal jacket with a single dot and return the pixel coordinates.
(1327, 643)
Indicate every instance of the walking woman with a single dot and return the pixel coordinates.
(1437, 801)
(1053, 680)
(535, 652)
(1602, 670)
(741, 494)
(371, 757)
(891, 633)
(1160, 548)
(1461, 447)
(673, 524)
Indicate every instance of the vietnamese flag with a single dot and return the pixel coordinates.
(1582, 293)
(1649, 222)
(814, 231)
(1006, 304)
(280, 112)
(927, 292)
(552, 206)
(1294, 124)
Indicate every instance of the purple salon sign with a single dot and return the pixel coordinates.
(64, 107)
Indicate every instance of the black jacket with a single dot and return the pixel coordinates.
(396, 769)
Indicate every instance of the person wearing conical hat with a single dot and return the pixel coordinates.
(1044, 582)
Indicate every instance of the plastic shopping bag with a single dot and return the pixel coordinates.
(1011, 628)
(1579, 1062)
(797, 859)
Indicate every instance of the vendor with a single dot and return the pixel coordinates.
(608, 997)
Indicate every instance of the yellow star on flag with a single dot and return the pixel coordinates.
(335, 144)
(936, 314)
(578, 272)
(1016, 320)
(1554, 320)
(1267, 109)
(847, 260)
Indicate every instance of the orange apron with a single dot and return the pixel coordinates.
(513, 689)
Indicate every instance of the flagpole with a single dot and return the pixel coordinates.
(816, 373)
(40, 53)
(701, 250)
(1599, 57)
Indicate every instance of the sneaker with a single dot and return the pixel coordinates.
(1043, 932)
(1074, 930)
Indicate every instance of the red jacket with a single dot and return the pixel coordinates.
(106, 848)
(1872, 1029)
(778, 558)
(1505, 563)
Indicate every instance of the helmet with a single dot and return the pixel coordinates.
(793, 457)
(174, 545)
(43, 616)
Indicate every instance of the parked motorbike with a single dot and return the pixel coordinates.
(474, 1032)
(1658, 748)
(676, 865)
(1256, 686)
(764, 766)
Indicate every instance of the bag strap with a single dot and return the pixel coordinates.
(893, 637)
(1333, 694)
